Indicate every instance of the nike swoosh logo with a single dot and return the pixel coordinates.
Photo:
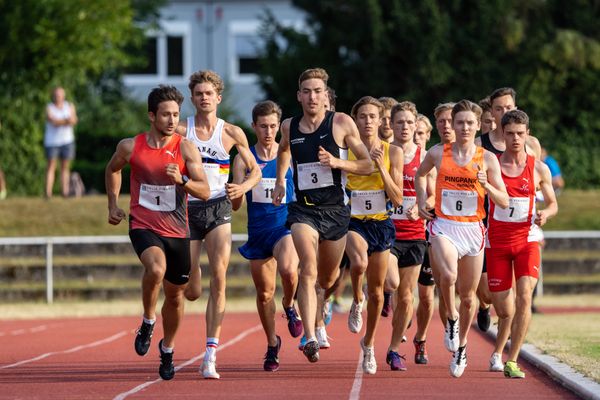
(324, 136)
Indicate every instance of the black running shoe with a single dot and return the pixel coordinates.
(143, 338)
(166, 369)
(483, 319)
(311, 351)
(272, 357)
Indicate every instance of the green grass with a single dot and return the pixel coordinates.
(33, 216)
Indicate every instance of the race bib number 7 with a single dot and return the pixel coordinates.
(157, 198)
(314, 176)
(459, 203)
(517, 210)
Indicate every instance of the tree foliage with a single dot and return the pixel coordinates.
(69, 43)
(432, 51)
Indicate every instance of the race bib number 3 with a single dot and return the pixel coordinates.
(459, 203)
(314, 176)
(263, 192)
(366, 202)
(400, 211)
(157, 198)
(517, 210)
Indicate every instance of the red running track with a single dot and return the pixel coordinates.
(93, 358)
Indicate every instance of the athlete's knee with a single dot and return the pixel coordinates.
(192, 292)
(155, 272)
(288, 274)
(405, 299)
(447, 277)
(375, 293)
(467, 300)
(174, 299)
(265, 296)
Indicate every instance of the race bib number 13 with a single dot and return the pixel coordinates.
(400, 211)
(157, 198)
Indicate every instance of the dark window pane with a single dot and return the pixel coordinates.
(174, 55)
(145, 63)
(248, 65)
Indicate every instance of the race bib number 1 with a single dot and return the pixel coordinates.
(517, 210)
(263, 192)
(314, 176)
(157, 198)
(459, 203)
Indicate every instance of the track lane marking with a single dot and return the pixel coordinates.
(233, 341)
(358, 375)
(71, 350)
(16, 332)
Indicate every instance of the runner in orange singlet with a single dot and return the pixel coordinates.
(465, 173)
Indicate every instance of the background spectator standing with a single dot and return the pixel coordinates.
(558, 183)
(59, 140)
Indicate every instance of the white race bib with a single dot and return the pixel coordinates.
(517, 210)
(216, 180)
(459, 203)
(157, 198)
(314, 176)
(400, 211)
(263, 192)
(365, 202)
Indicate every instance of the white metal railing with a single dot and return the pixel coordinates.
(50, 241)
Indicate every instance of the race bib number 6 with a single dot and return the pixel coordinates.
(459, 203)
(314, 176)
(157, 198)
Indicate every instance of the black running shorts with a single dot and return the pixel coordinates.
(204, 216)
(330, 221)
(425, 275)
(177, 253)
(409, 252)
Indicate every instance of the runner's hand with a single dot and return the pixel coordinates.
(540, 218)
(234, 191)
(326, 159)
(425, 213)
(116, 215)
(377, 157)
(174, 173)
(412, 213)
(278, 194)
(481, 177)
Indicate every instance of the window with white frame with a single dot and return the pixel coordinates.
(166, 55)
(244, 49)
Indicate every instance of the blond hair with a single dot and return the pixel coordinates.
(404, 106)
(363, 101)
(467, 105)
(388, 102)
(426, 121)
(441, 108)
(313, 73)
(206, 76)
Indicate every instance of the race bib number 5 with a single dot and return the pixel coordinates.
(263, 192)
(314, 176)
(459, 203)
(365, 202)
(517, 210)
(157, 198)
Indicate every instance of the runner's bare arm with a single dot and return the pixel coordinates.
(393, 179)
(491, 180)
(421, 187)
(113, 179)
(283, 162)
(239, 174)
(534, 147)
(346, 133)
(430, 187)
(253, 175)
(197, 184)
(545, 183)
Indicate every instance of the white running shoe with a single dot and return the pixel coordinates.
(209, 370)
(369, 364)
(321, 335)
(496, 364)
(355, 317)
(459, 362)
(451, 340)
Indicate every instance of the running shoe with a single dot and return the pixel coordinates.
(459, 362)
(420, 352)
(496, 364)
(322, 337)
(294, 322)
(387, 305)
(404, 339)
(311, 350)
(355, 317)
(272, 357)
(369, 364)
(395, 361)
(143, 338)
(302, 343)
(483, 319)
(209, 369)
(512, 370)
(166, 370)
(451, 335)
(327, 311)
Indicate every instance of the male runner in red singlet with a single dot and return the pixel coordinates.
(164, 168)
(513, 238)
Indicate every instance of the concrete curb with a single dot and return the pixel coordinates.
(579, 384)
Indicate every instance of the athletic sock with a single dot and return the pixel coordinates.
(149, 321)
(387, 297)
(165, 349)
(211, 348)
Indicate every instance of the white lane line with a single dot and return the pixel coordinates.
(355, 392)
(16, 332)
(233, 341)
(71, 350)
